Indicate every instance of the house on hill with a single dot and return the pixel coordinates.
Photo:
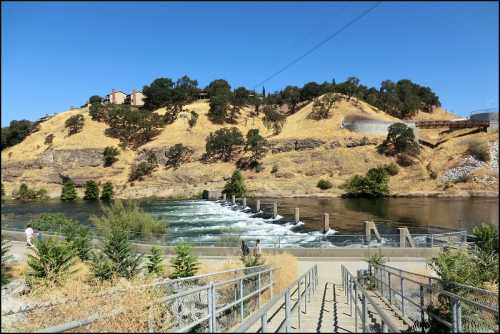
(136, 98)
(115, 97)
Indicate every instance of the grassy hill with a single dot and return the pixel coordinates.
(336, 158)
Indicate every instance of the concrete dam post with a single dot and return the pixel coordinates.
(326, 222)
(257, 205)
(233, 199)
(244, 202)
(224, 197)
(297, 215)
(275, 209)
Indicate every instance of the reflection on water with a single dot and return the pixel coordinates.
(202, 220)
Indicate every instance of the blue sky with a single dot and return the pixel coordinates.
(56, 55)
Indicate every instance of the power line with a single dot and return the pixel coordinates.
(317, 46)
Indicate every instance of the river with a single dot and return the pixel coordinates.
(199, 220)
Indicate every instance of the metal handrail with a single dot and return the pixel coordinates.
(310, 281)
(351, 288)
(211, 314)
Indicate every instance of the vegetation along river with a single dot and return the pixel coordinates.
(200, 221)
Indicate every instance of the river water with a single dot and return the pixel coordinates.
(206, 221)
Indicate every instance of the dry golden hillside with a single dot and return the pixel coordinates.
(326, 150)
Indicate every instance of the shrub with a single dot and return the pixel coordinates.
(374, 184)
(177, 155)
(324, 184)
(235, 185)
(117, 248)
(184, 264)
(400, 139)
(101, 266)
(50, 222)
(127, 216)
(273, 119)
(49, 139)
(405, 160)
(109, 154)
(77, 236)
(140, 170)
(16, 132)
(155, 261)
(68, 192)
(193, 120)
(26, 194)
(252, 261)
(322, 106)
(486, 238)
(257, 146)
(107, 191)
(433, 175)
(373, 261)
(479, 150)
(6, 257)
(392, 169)
(97, 112)
(74, 124)
(274, 169)
(223, 143)
(91, 191)
(52, 261)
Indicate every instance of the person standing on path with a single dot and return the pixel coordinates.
(29, 235)
(257, 251)
(244, 249)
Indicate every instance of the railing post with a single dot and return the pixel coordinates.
(241, 300)
(299, 299)
(258, 289)
(210, 308)
(422, 313)
(454, 321)
(271, 282)
(363, 319)
(263, 322)
(309, 285)
(389, 284)
(349, 283)
(279, 241)
(384, 327)
(287, 311)
(214, 307)
(355, 307)
(402, 295)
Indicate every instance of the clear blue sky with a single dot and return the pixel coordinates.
(56, 55)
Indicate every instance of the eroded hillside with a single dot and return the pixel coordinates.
(305, 151)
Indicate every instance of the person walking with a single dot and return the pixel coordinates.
(29, 235)
(244, 248)
(257, 251)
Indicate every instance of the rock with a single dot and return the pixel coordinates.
(287, 175)
(352, 142)
(287, 145)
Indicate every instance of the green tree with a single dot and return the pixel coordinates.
(322, 106)
(101, 266)
(235, 185)
(291, 96)
(91, 191)
(6, 257)
(223, 143)
(218, 87)
(74, 124)
(193, 120)
(95, 99)
(256, 145)
(374, 184)
(52, 261)
(125, 262)
(155, 261)
(49, 139)
(184, 264)
(140, 170)
(400, 139)
(68, 192)
(78, 237)
(177, 155)
(107, 191)
(310, 91)
(158, 94)
(27, 194)
(486, 237)
(109, 154)
(273, 119)
(219, 107)
(16, 132)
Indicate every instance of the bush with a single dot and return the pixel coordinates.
(91, 191)
(392, 169)
(128, 216)
(68, 192)
(486, 238)
(51, 222)
(374, 261)
(117, 248)
(52, 261)
(274, 169)
(433, 175)
(223, 143)
(405, 160)
(26, 194)
(273, 119)
(400, 139)
(374, 184)
(100, 266)
(6, 257)
(74, 124)
(322, 106)
(252, 261)
(16, 132)
(155, 261)
(184, 264)
(236, 185)
(109, 154)
(140, 170)
(324, 184)
(479, 150)
(177, 155)
(107, 191)
(193, 120)
(49, 139)
(257, 146)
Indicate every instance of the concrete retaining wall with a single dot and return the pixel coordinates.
(374, 127)
(298, 252)
(485, 116)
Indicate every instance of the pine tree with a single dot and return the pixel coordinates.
(68, 191)
(78, 237)
(118, 249)
(53, 260)
(107, 191)
(155, 261)
(236, 185)
(6, 257)
(101, 266)
(184, 264)
(91, 191)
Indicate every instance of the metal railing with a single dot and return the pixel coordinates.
(417, 297)
(361, 303)
(212, 307)
(279, 310)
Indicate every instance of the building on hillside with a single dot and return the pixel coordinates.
(136, 98)
(115, 97)
(202, 95)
